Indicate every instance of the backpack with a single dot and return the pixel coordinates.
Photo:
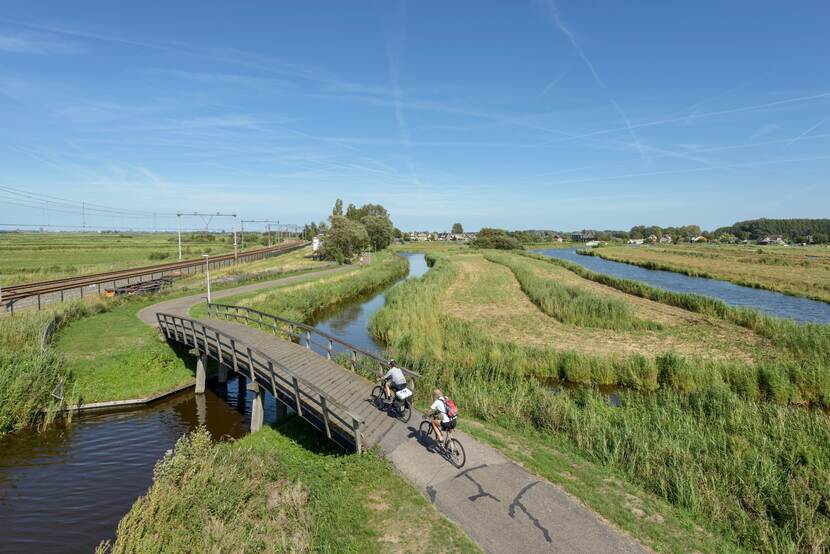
(452, 409)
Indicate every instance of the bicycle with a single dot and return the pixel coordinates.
(403, 408)
(451, 448)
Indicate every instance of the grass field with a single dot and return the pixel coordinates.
(281, 491)
(303, 302)
(798, 271)
(715, 439)
(28, 257)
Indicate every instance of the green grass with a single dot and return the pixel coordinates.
(283, 490)
(701, 442)
(28, 257)
(116, 356)
(303, 302)
(654, 521)
(569, 304)
(29, 375)
(808, 344)
(798, 271)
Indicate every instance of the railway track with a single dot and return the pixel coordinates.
(16, 293)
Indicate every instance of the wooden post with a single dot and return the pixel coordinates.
(99, 289)
(325, 415)
(38, 302)
(308, 340)
(328, 354)
(275, 329)
(299, 405)
(357, 442)
(201, 374)
(233, 356)
(354, 359)
(251, 365)
(222, 374)
(257, 409)
(219, 354)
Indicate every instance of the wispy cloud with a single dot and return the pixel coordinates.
(37, 44)
(554, 12)
(808, 131)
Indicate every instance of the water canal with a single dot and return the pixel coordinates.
(769, 302)
(64, 490)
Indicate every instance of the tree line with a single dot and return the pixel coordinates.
(348, 233)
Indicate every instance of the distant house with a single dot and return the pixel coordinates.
(582, 237)
(556, 238)
(773, 240)
(636, 242)
(699, 238)
(666, 239)
(652, 239)
(422, 236)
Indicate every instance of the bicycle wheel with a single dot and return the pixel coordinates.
(378, 397)
(457, 455)
(405, 412)
(426, 430)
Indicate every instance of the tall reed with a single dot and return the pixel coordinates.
(568, 304)
(756, 471)
(29, 375)
(303, 303)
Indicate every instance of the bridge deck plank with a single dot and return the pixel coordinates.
(348, 388)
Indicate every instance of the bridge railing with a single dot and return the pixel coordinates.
(312, 404)
(310, 337)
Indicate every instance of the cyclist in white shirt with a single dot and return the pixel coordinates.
(394, 380)
(440, 420)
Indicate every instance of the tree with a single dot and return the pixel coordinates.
(338, 208)
(352, 212)
(380, 231)
(495, 238)
(344, 240)
(457, 228)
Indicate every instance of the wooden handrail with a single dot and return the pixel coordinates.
(306, 395)
(227, 311)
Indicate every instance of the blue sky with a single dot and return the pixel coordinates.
(563, 115)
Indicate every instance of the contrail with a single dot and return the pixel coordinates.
(567, 32)
(808, 131)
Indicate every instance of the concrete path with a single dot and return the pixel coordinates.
(499, 504)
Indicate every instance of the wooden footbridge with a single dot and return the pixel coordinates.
(311, 372)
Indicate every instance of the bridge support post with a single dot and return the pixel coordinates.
(257, 408)
(201, 373)
(222, 374)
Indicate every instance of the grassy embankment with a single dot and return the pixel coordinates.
(27, 257)
(115, 356)
(724, 466)
(281, 491)
(29, 375)
(802, 271)
(303, 302)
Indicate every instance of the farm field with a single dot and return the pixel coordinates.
(29, 257)
(798, 271)
(705, 418)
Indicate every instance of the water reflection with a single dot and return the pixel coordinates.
(772, 303)
(65, 489)
(350, 322)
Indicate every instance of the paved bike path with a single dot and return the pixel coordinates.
(499, 504)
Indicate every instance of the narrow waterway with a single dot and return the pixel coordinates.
(769, 302)
(64, 490)
(350, 321)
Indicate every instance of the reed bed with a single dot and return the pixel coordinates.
(304, 302)
(754, 470)
(809, 342)
(568, 304)
(29, 375)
